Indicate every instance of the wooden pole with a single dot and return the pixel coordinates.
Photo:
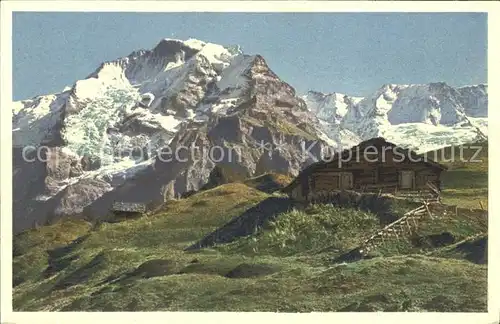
(408, 225)
(414, 222)
(428, 211)
(397, 236)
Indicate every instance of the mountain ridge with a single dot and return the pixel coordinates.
(395, 111)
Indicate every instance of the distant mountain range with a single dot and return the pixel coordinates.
(421, 116)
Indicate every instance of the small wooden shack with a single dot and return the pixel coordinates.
(375, 165)
(123, 209)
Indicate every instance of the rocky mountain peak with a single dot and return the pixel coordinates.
(199, 95)
(172, 48)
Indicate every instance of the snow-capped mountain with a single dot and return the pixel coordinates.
(105, 137)
(331, 107)
(423, 117)
(175, 73)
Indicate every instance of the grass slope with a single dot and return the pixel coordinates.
(465, 183)
(269, 182)
(141, 265)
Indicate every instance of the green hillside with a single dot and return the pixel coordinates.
(286, 266)
(466, 182)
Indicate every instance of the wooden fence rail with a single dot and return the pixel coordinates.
(402, 227)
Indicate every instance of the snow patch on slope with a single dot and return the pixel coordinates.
(424, 137)
(232, 82)
(34, 120)
(331, 107)
(480, 123)
(338, 137)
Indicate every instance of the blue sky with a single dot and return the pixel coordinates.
(353, 53)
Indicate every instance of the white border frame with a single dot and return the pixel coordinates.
(7, 7)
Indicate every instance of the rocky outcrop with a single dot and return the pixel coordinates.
(90, 163)
(61, 165)
(474, 99)
(74, 198)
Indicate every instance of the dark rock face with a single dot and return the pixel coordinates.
(249, 140)
(61, 166)
(226, 173)
(73, 199)
(172, 49)
(274, 162)
(439, 303)
(228, 129)
(475, 100)
(90, 163)
(28, 179)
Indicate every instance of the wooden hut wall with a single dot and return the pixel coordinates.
(368, 176)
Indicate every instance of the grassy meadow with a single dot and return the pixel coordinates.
(465, 183)
(285, 265)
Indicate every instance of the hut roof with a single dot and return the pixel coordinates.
(128, 207)
(375, 142)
